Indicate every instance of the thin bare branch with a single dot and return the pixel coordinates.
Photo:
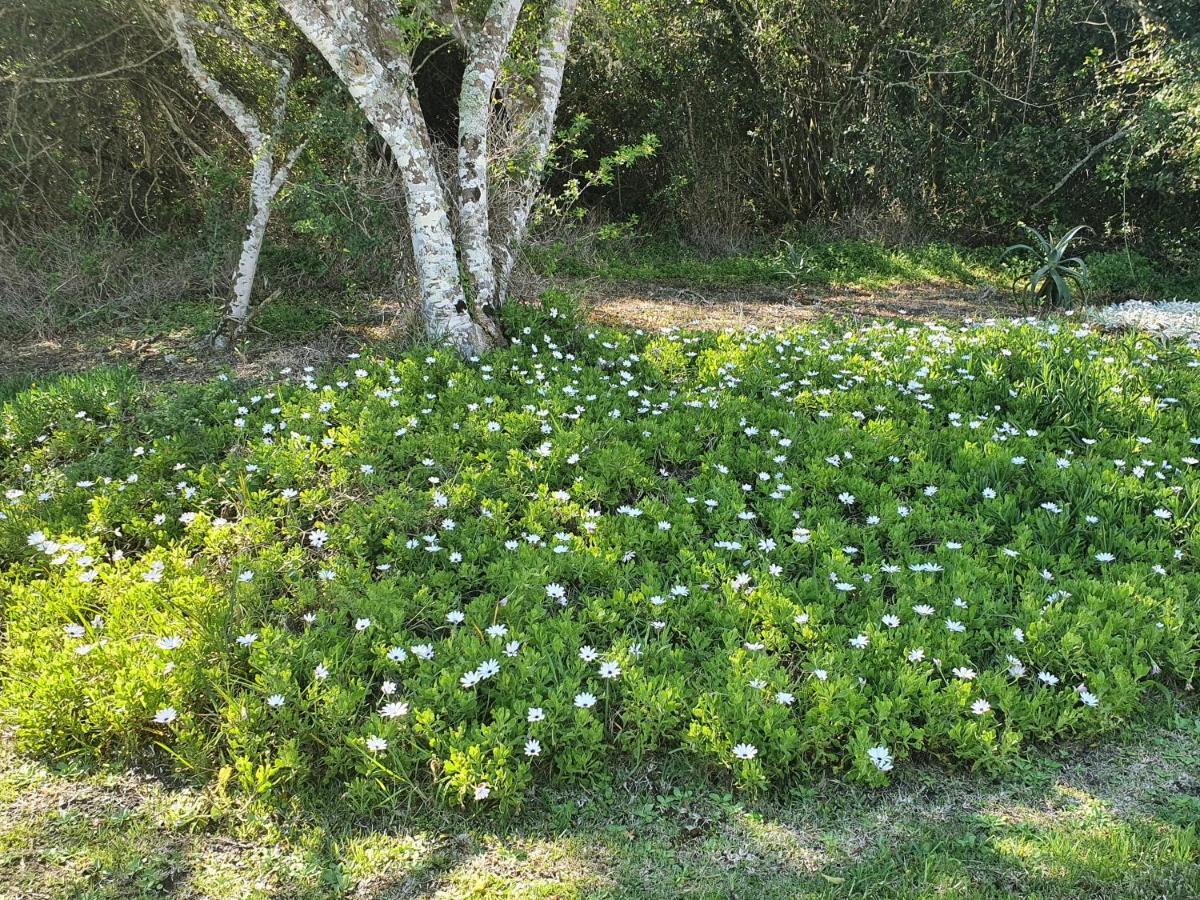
(90, 76)
(1062, 182)
(243, 119)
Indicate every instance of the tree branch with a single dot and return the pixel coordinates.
(222, 29)
(238, 113)
(445, 13)
(285, 169)
(91, 76)
(1116, 136)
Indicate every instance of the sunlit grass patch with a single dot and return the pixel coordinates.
(843, 263)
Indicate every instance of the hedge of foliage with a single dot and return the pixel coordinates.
(427, 580)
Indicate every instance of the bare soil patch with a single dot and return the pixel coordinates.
(657, 305)
(179, 354)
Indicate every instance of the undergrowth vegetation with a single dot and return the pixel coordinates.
(60, 286)
(418, 580)
(850, 263)
(820, 260)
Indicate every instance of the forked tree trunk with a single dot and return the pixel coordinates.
(267, 179)
(353, 35)
(464, 277)
(444, 302)
(474, 122)
(536, 135)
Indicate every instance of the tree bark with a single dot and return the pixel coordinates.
(536, 134)
(237, 313)
(474, 121)
(266, 180)
(362, 45)
(344, 34)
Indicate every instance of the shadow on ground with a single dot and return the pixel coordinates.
(1118, 821)
(173, 346)
(306, 331)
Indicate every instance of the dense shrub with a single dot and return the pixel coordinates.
(1122, 276)
(420, 579)
(916, 121)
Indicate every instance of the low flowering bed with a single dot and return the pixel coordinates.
(420, 580)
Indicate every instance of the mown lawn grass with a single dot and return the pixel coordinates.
(1117, 820)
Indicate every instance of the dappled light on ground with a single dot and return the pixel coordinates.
(1117, 820)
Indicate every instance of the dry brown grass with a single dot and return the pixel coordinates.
(177, 351)
(654, 306)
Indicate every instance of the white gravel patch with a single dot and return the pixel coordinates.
(1164, 318)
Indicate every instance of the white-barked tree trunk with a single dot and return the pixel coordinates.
(464, 240)
(268, 176)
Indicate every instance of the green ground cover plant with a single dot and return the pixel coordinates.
(417, 580)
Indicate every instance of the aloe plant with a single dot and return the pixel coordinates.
(1052, 277)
